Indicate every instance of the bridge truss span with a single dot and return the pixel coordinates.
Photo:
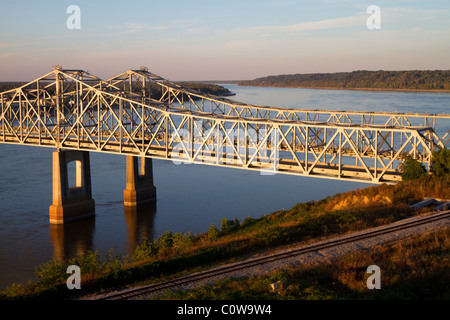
(71, 109)
(155, 87)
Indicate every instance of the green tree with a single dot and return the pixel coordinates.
(440, 162)
(166, 240)
(224, 225)
(213, 232)
(411, 169)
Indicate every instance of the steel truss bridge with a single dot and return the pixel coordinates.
(141, 114)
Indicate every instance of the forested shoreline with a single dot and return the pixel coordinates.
(377, 80)
(208, 88)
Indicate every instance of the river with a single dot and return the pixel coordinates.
(189, 197)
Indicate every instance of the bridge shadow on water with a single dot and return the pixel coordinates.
(140, 224)
(72, 239)
(77, 238)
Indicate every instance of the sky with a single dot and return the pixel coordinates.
(221, 40)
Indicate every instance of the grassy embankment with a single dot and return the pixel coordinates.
(414, 268)
(173, 255)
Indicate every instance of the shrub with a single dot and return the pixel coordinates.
(248, 221)
(224, 225)
(89, 263)
(113, 262)
(15, 290)
(229, 225)
(440, 162)
(412, 169)
(213, 232)
(144, 251)
(271, 235)
(166, 240)
(50, 274)
(183, 241)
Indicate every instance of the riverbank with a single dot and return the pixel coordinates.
(175, 254)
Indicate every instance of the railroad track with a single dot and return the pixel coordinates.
(378, 231)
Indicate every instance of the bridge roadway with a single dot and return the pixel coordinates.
(233, 153)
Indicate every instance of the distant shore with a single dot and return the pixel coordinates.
(381, 80)
(345, 88)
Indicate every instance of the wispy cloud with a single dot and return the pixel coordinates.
(131, 27)
(352, 21)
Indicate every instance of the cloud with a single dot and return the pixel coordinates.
(131, 27)
(352, 21)
(8, 45)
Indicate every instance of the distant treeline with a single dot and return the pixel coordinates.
(155, 90)
(392, 80)
(8, 85)
(207, 88)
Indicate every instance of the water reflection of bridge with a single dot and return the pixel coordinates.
(139, 114)
(74, 239)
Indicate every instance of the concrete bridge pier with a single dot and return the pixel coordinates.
(139, 182)
(71, 203)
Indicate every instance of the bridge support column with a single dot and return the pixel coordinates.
(139, 186)
(71, 203)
